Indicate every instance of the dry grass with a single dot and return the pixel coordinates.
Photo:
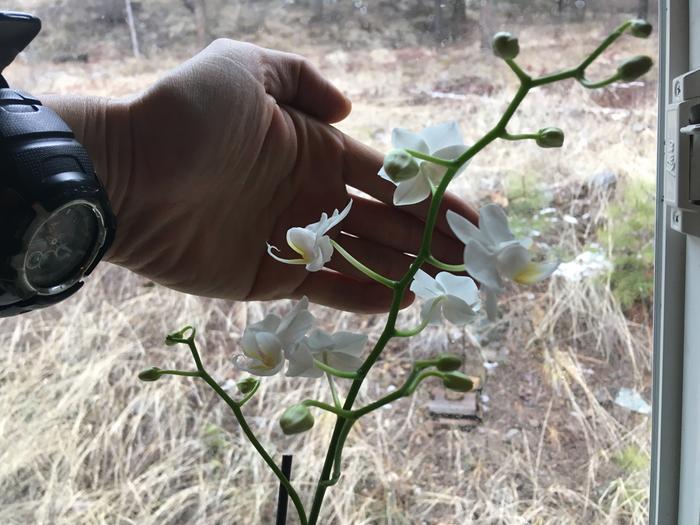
(82, 441)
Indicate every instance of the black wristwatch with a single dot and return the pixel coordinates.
(55, 219)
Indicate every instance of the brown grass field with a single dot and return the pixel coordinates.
(82, 441)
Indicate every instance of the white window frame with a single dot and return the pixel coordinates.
(675, 465)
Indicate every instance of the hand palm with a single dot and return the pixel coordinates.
(232, 149)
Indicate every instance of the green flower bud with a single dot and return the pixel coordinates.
(505, 45)
(400, 165)
(550, 138)
(296, 419)
(457, 381)
(448, 363)
(640, 28)
(247, 385)
(634, 68)
(152, 374)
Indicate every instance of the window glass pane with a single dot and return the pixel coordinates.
(559, 431)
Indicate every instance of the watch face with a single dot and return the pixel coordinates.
(61, 245)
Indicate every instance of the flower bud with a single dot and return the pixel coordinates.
(400, 165)
(448, 362)
(152, 374)
(296, 419)
(640, 28)
(505, 45)
(173, 339)
(247, 385)
(457, 381)
(550, 138)
(634, 68)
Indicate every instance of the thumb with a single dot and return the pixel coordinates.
(293, 80)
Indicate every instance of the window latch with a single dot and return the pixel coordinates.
(682, 154)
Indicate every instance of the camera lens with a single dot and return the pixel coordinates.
(60, 246)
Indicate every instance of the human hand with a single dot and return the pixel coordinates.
(227, 152)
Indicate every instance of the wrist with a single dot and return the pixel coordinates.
(102, 126)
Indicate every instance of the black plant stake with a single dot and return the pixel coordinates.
(283, 497)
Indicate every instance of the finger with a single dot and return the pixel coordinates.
(395, 228)
(341, 292)
(360, 167)
(385, 261)
(293, 80)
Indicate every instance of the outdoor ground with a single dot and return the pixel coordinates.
(82, 441)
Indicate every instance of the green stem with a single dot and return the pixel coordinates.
(524, 77)
(334, 371)
(334, 392)
(435, 160)
(345, 414)
(249, 395)
(601, 83)
(445, 266)
(338, 455)
(236, 409)
(361, 267)
(180, 373)
(523, 136)
(604, 45)
(424, 322)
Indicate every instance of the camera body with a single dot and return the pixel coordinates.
(55, 219)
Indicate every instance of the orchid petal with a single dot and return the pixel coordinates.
(337, 217)
(319, 341)
(301, 362)
(430, 311)
(342, 361)
(435, 172)
(295, 324)
(464, 288)
(402, 138)
(512, 260)
(349, 343)
(302, 241)
(411, 191)
(465, 230)
(494, 224)
(442, 135)
(382, 173)
(252, 366)
(425, 286)
(536, 272)
(457, 311)
(282, 259)
(481, 265)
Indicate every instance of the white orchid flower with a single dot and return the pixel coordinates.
(443, 141)
(311, 241)
(454, 297)
(341, 350)
(264, 342)
(492, 253)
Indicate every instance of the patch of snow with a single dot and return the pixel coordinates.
(586, 264)
(632, 400)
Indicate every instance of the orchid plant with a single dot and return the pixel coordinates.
(421, 165)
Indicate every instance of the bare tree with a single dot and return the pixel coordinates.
(486, 23)
(198, 8)
(132, 29)
(643, 11)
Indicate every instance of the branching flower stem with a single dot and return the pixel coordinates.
(342, 427)
(236, 409)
